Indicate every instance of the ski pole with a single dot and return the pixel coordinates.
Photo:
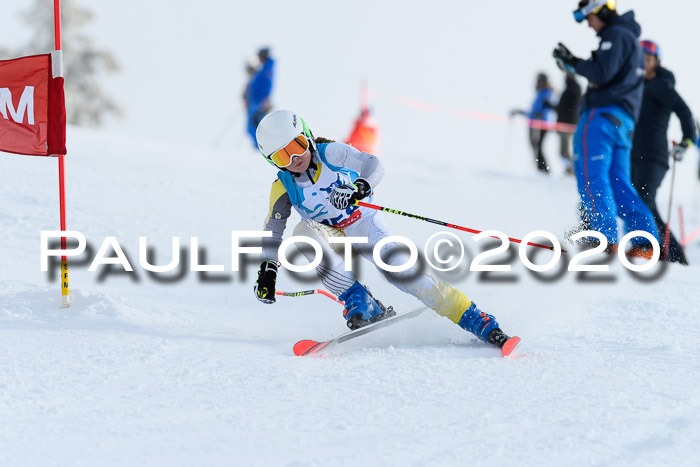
(310, 292)
(509, 140)
(667, 232)
(446, 224)
(691, 237)
(682, 222)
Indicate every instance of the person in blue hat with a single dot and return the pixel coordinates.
(650, 153)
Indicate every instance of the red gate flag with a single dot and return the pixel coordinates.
(32, 105)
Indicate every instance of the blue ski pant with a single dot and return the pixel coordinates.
(602, 145)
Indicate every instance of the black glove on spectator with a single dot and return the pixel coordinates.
(566, 61)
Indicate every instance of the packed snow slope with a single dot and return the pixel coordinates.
(185, 368)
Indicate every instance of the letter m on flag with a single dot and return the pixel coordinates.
(32, 106)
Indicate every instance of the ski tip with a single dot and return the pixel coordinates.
(307, 347)
(301, 347)
(509, 345)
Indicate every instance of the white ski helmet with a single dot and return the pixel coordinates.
(279, 128)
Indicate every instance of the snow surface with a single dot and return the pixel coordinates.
(142, 371)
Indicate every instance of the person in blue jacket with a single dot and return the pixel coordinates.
(258, 92)
(603, 137)
(539, 115)
(650, 152)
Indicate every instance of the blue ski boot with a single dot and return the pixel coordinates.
(479, 323)
(361, 308)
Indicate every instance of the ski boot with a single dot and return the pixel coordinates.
(502, 341)
(361, 308)
(478, 323)
(641, 251)
(590, 242)
(485, 327)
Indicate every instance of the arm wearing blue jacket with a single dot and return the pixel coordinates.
(541, 106)
(615, 49)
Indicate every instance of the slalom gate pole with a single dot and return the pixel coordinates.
(691, 237)
(667, 231)
(446, 224)
(233, 122)
(65, 291)
(310, 292)
(363, 94)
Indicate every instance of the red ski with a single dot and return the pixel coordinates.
(308, 347)
(509, 345)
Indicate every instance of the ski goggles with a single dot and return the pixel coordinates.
(593, 6)
(651, 48)
(296, 147)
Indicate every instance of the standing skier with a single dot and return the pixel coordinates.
(322, 179)
(603, 138)
(568, 113)
(650, 149)
(258, 90)
(539, 116)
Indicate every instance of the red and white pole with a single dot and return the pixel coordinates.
(65, 291)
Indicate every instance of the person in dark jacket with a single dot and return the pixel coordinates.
(603, 137)
(650, 152)
(258, 92)
(539, 116)
(567, 113)
(697, 144)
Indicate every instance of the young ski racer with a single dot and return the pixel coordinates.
(322, 179)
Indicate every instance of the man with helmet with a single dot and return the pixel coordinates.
(322, 179)
(609, 109)
(650, 152)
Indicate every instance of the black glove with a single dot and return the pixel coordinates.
(265, 285)
(566, 61)
(346, 195)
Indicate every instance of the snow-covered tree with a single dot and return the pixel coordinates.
(83, 63)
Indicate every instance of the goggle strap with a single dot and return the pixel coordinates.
(594, 5)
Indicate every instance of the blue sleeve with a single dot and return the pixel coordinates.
(614, 50)
(540, 109)
(261, 86)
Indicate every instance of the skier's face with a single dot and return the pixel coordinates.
(594, 22)
(300, 163)
(650, 64)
